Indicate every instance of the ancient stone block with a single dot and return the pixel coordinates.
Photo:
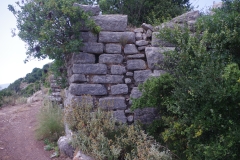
(157, 73)
(184, 18)
(120, 116)
(135, 93)
(130, 118)
(147, 26)
(128, 80)
(149, 33)
(113, 48)
(136, 64)
(88, 37)
(91, 89)
(138, 36)
(81, 58)
(119, 89)
(77, 78)
(141, 76)
(129, 74)
(89, 69)
(81, 101)
(112, 103)
(117, 37)
(142, 43)
(108, 79)
(92, 47)
(130, 49)
(111, 58)
(114, 23)
(136, 56)
(116, 69)
(142, 48)
(157, 42)
(138, 30)
(146, 115)
(93, 10)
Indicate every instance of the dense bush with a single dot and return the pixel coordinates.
(200, 112)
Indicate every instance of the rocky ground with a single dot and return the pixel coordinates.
(17, 134)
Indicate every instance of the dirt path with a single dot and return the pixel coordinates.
(17, 134)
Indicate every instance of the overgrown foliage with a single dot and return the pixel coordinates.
(200, 111)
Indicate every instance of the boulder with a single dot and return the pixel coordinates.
(65, 147)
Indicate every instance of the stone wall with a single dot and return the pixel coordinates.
(112, 64)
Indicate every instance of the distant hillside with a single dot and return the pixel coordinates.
(2, 86)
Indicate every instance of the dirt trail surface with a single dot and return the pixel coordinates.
(17, 134)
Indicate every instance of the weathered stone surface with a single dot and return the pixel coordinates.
(129, 74)
(147, 26)
(155, 57)
(130, 118)
(112, 103)
(77, 78)
(136, 56)
(119, 89)
(138, 30)
(88, 37)
(128, 80)
(81, 58)
(92, 47)
(142, 43)
(111, 58)
(93, 10)
(120, 116)
(81, 156)
(130, 49)
(156, 42)
(117, 37)
(157, 73)
(79, 101)
(113, 48)
(146, 115)
(135, 93)
(108, 79)
(144, 36)
(65, 147)
(116, 69)
(191, 25)
(138, 36)
(89, 69)
(189, 16)
(136, 64)
(142, 48)
(149, 33)
(114, 23)
(91, 89)
(141, 76)
(56, 93)
(55, 99)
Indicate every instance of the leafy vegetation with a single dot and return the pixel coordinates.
(199, 96)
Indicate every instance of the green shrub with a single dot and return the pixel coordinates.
(50, 122)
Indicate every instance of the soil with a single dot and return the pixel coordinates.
(17, 134)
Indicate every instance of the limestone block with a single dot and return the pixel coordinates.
(144, 36)
(92, 47)
(113, 48)
(149, 33)
(147, 26)
(138, 36)
(111, 58)
(108, 79)
(91, 89)
(138, 30)
(116, 37)
(93, 10)
(112, 103)
(136, 64)
(77, 78)
(120, 116)
(141, 76)
(135, 93)
(136, 56)
(146, 115)
(130, 49)
(119, 89)
(142, 48)
(184, 18)
(81, 58)
(142, 43)
(128, 80)
(89, 69)
(88, 37)
(129, 74)
(114, 23)
(157, 42)
(155, 57)
(116, 69)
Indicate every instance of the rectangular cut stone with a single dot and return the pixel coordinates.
(92, 47)
(136, 56)
(129, 74)
(108, 79)
(130, 49)
(156, 42)
(136, 64)
(138, 30)
(89, 69)
(84, 89)
(114, 23)
(111, 58)
(146, 115)
(117, 37)
(135, 93)
(141, 76)
(93, 10)
(88, 37)
(119, 89)
(142, 43)
(77, 78)
(81, 58)
(79, 101)
(120, 116)
(112, 103)
(138, 36)
(113, 48)
(116, 69)
(155, 57)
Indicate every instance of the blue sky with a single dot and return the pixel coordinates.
(12, 49)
